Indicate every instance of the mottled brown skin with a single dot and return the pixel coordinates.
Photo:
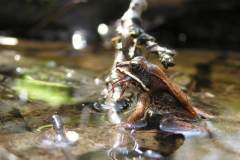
(157, 93)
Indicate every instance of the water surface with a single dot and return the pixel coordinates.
(36, 84)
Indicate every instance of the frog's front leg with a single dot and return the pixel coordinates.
(141, 107)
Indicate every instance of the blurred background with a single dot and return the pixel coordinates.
(175, 23)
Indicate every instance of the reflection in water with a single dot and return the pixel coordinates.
(164, 143)
(151, 144)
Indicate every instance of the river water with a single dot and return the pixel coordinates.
(35, 84)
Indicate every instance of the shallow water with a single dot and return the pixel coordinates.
(37, 84)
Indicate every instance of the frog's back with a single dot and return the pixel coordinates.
(163, 102)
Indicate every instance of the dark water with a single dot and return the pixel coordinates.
(36, 85)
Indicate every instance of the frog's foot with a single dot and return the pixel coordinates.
(137, 125)
(179, 126)
(203, 114)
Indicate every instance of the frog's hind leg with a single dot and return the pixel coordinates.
(142, 105)
(177, 125)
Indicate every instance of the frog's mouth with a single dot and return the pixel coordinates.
(123, 68)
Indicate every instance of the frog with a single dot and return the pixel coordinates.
(157, 94)
(131, 40)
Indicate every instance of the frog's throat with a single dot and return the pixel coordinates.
(134, 77)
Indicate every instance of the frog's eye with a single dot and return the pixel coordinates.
(136, 67)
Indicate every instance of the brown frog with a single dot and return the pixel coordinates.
(157, 93)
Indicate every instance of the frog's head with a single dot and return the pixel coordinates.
(136, 70)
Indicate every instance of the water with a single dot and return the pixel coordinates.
(36, 85)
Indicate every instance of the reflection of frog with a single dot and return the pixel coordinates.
(158, 94)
